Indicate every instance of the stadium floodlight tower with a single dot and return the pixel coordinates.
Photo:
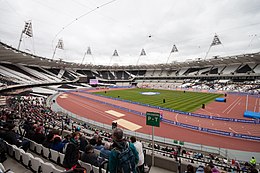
(88, 53)
(143, 53)
(216, 41)
(174, 49)
(59, 45)
(27, 31)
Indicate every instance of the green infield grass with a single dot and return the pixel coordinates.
(178, 100)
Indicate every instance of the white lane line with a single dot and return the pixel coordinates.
(259, 105)
(233, 106)
(176, 117)
(232, 130)
(230, 105)
(78, 102)
(255, 105)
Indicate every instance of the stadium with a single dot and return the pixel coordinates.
(204, 111)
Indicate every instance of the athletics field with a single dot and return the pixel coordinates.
(178, 100)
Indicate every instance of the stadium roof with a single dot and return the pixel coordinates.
(11, 55)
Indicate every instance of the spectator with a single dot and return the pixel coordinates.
(57, 144)
(93, 140)
(253, 170)
(139, 148)
(3, 150)
(120, 145)
(183, 152)
(66, 139)
(237, 164)
(207, 169)
(89, 156)
(12, 138)
(72, 152)
(99, 144)
(10, 135)
(82, 139)
(200, 169)
(245, 168)
(179, 150)
(215, 170)
(253, 161)
(38, 136)
(48, 142)
(105, 152)
(190, 169)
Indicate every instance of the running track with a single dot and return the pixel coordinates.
(94, 111)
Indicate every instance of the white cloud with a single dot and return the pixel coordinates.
(127, 25)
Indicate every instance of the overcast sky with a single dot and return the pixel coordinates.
(130, 26)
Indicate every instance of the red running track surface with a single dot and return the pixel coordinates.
(95, 111)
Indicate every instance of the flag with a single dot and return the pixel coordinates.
(89, 51)
(142, 53)
(60, 44)
(28, 28)
(115, 53)
(215, 41)
(174, 49)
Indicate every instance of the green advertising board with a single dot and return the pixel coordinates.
(153, 119)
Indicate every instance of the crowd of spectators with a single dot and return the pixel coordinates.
(37, 123)
(253, 89)
(40, 124)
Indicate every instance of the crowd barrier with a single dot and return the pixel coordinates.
(187, 126)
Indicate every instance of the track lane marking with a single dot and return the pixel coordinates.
(230, 105)
(91, 108)
(232, 130)
(234, 106)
